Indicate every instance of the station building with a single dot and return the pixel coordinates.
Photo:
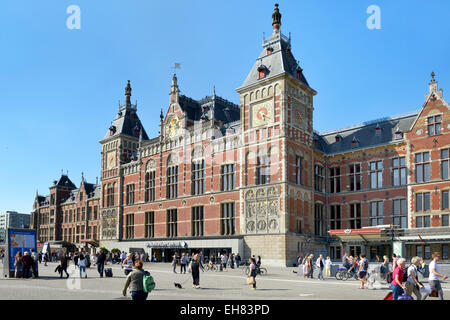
(256, 179)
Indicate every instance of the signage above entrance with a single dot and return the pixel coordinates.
(165, 244)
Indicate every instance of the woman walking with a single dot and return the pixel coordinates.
(328, 266)
(127, 264)
(195, 269)
(397, 279)
(82, 265)
(183, 263)
(135, 281)
(384, 269)
(305, 266)
(174, 263)
(253, 268)
(412, 283)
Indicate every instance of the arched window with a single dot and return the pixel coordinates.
(262, 173)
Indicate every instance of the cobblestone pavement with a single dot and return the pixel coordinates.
(279, 284)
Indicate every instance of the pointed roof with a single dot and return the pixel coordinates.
(65, 182)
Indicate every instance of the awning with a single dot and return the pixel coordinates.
(364, 234)
(92, 242)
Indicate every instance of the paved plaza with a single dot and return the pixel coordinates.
(279, 284)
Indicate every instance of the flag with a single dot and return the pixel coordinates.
(177, 66)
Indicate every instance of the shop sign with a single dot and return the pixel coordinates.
(165, 244)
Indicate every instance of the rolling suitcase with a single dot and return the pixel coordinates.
(108, 272)
(405, 297)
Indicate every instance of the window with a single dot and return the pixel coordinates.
(398, 171)
(444, 163)
(227, 224)
(445, 251)
(95, 212)
(335, 180)
(319, 179)
(70, 216)
(83, 212)
(172, 182)
(197, 221)
(444, 200)
(78, 214)
(227, 178)
(427, 250)
(198, 177)
(376, 213)
(130, 194)
(81, 196)
(434, 125)
(172, 223)
(150, 186)
(110, 196)
(376, 174)
(298, 170)
(262, 170)
(419, 251)
(319, 224)
(355, 177)
(355, 216)
(89, 213)
(423, 222)
(444, 220)
(129, 226)
(400, 213)
(422, 202)
(299, 226)
(150, 224)
(422, 166)
(335, 217)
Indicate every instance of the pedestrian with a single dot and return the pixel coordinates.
(384, 268)
(377, 258)
(346, 261)
(363, 268)
(258, 262)
(135, 282)
(27, 262)
(394, 261)
(305, 266)
(137, 257)
(82, 265)
(63, 265)
(201, 257)
(328, 266)
(45, 259)
(224, 261)
(253, 271)
(433, 279)
(311, 266)
(238, 260)
(18, 264)
(230, 261)
(34, 267)
(40, 257)
(183, 263)
(127, 264)
(196, 265)
(188, 260)
(142, 256)
(412, 283)
(123, 256)
(101, 261)
(76, 258)
(397, 279)
(174, 263)
(88, 260)
(320, 263)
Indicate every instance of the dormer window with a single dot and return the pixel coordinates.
(269, 50)
(112, 130)
(338, 138)
(398, 134)
(355, 142)
(377, 130)
(261, 72)
(299, 73)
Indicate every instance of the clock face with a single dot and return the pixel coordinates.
(299, 115)
(262, 114)
(111, 160)
(172, 127)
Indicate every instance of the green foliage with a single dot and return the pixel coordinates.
(115, 250)
(105, 251)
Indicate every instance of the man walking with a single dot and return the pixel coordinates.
(238, 260)
(433, 279)
(101, 259)
(34, 266)
(320, 263)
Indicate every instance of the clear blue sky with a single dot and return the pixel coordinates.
(60, 88)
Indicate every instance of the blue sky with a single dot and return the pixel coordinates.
(60, 88)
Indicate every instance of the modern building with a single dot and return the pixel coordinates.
(13, 220)
(255, 178)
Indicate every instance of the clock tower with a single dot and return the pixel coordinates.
(120, 146)
(276, 126)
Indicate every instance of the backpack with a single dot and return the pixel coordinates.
(405, 274)
(149, 284)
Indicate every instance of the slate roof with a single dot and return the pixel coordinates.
(216, 109)
(281, 60)
(64, 181)
(365, 134)
(92, 192)
(126, 122)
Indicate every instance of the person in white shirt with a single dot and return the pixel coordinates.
(320, 263)
(328, 265)
(412, 284)
(433, 279)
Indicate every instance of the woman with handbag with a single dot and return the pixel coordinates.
(252, 277)
(397, 283)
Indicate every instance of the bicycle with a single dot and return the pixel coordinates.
(211, 267)
(259, 271)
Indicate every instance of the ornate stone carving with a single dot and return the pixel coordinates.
(262, 212)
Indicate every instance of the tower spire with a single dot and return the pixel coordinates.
(276, 18)
(174, 90)
(128, 94)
